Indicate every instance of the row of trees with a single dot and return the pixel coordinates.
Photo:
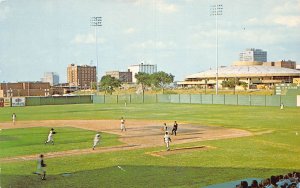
(158, 80)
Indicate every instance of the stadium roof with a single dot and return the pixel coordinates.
(246, 71)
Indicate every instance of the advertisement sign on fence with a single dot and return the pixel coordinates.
(18, 101)
(7, 102)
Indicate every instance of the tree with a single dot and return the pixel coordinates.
(144, 79)
(231, 83)
(162, 79)
(108, 83)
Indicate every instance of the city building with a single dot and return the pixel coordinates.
(81, 76)
(122, 76)
(252, 68)
(252, 54)
(51, 77)
(26, 89)
(146, 68)
(253, 73)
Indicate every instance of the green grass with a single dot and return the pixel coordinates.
(15, 142)
(257, 156)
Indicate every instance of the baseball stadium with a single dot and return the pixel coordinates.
(216, 145)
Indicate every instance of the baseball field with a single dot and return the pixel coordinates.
(214, 144)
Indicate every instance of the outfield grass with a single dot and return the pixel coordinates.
(230, 159)
(15, 142)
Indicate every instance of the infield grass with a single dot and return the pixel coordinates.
(275, 152)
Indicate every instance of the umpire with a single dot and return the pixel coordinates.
(175, 126)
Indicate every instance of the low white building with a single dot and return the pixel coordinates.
(146, 68)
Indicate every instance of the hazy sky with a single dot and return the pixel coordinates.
(38, 36)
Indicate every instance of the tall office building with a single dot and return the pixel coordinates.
(81, 76)
(252, 54)
(51, 77)
(146, 68)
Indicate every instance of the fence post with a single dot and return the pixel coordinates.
(212, 98)
(265, 100)
(280, 100)
(201, 99)
(250, 99)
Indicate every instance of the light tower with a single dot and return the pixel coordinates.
(216, 10)
(96, 22)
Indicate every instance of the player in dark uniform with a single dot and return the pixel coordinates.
(175, 127)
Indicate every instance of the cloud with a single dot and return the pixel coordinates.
(165, 7)
(86, 39)
(150, 44)
(161, 5)
(130, 30)
(289, 21)
(285, 14)
(287, 7)
(4, 10)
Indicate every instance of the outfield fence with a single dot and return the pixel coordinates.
(243, 100)
(247, 100)
(36, 101)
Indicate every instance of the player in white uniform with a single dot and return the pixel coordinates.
(123, 128)
(50, 136)
(41, 167)
(167, 140)
(96, 140)
(165, 127)
(14, 118)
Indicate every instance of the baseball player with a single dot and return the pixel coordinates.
(165, 127)
(14, 118)
(96, 140)
(167, 140)
(123, 128)
(281, 106)
(175, 127)
(41, 167)
(50, 136)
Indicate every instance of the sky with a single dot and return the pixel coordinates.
(179, 36)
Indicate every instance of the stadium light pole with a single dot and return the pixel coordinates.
(96, 22)
(216, 10)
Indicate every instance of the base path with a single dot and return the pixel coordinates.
(139, 134)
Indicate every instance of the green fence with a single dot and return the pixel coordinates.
(36, 101)
(246, 100)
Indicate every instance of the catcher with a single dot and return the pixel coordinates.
(50, 136)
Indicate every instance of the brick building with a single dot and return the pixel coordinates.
(27, 89)
(81, 76)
